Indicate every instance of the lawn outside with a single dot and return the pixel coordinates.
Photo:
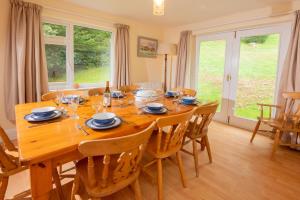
(86, 75)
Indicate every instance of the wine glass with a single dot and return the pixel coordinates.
(96, 105)
(58, 100)
(74, 102)
(119, 94)
(106, 104)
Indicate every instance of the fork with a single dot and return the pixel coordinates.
(82, 129)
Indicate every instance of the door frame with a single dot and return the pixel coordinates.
(231, 66)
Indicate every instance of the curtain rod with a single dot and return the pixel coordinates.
(77, 14)
(198, 31)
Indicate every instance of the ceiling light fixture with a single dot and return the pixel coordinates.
(159, 7)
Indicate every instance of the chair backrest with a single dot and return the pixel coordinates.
(6, 141)
(187, 91)
(171, 131)
(129, 88)
(6, 162)
(128, 150)
(290, 98)
(203, 115)
(96, 91)
(52, 95)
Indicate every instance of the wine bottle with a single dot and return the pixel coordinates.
(107, 96)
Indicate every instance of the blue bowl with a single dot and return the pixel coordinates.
(104, 118)
(188, 100)
(171, 93)
(43, 111)
(154, 106)
(114, 94)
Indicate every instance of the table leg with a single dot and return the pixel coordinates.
(41, 180)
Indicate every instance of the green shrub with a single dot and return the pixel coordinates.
(255, 39)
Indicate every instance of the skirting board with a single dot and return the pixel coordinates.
(12, 133)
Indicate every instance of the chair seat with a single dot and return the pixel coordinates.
(14, 155)
(100, 189)
(280, 124)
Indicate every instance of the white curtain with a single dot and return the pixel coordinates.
(26, 70)
(290, 77)
(122, 76)
(183, 57)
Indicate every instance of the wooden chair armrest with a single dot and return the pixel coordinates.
(269, 107)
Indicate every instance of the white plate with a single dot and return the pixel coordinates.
(156, 106)
(43, 110)
(90, 124)
(99, 124)
(189, 98)
(32, 118)
(146, 93)
(104, 116)
(156, 112)
(189, 104)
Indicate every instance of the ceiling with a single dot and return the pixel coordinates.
(177, 12)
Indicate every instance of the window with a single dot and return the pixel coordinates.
(77, 54)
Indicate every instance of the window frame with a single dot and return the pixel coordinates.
(68, 41)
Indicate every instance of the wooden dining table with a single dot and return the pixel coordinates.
(46, 145)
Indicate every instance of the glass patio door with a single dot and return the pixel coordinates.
(259, 55)
(213, 61)
(240, 69)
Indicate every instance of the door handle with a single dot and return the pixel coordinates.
(228, 77)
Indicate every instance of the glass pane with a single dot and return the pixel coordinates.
(91, 55)
(54, 30)
(257, 73)
(56, 62)
(211, 70)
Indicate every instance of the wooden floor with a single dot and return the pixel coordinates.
(240, 171)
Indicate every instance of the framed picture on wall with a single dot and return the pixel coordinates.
(147, 47)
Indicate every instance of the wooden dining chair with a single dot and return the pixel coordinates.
(164, 144)
(11, 165)
(53, 94)
(186, 91)
(96, 91)
(129, 88)
(111, 164)
(289, 124)
(281, 110)
(198, 129)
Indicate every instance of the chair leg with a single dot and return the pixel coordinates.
(3, 187)
(57, 184)
(180, 166)
(255, 130)
(159, 179)
(276, 142)
(137, 190)
(195, 153)
(75, 187)
(202, 144)
(208, 148)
